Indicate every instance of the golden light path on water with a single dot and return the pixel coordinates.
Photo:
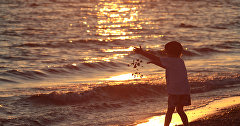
(118, 49)
(121, 20)
(117, 20)
(122, 77)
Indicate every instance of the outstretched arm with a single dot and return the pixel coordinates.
(154, 59)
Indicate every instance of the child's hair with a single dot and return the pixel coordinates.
(174, 48)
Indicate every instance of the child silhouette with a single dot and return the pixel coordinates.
(176, 79)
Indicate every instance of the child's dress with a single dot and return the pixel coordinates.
(177, 81)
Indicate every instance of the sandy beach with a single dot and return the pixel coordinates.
(221, 112)
(226, 117)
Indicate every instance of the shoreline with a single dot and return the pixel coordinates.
(197, 116)
(228, 116)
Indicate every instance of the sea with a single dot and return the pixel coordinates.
(71, 62)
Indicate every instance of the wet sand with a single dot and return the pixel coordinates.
(218, 113)
(227, 117)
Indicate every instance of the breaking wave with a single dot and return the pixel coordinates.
(128, 92)
(105, 93)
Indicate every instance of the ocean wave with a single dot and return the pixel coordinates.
(30, 75)
(7, 81)
(55, 70)
(218, 48)
(232, 24)
(104, 93)
(35, 119)
(65, 67)
(9, 32)
(189, 53)
(210, 49)
(206, 50)
(223, 80)
(192, 52)
(128, 92)
(182, 25)
(16, 58)
(63, 44)
(213, 48)
(228, 45)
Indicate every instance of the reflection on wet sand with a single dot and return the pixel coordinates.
(159, 121)
(195, 114)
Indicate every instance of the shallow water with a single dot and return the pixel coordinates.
(61, 61)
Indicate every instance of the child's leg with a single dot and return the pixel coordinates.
(168, 117)
(183, 115)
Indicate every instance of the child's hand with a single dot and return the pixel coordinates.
(138, 50)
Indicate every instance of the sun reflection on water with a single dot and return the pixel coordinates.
(118, 49)
(106, 58)
(112, 20)
(122, 77)
(117, 18)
